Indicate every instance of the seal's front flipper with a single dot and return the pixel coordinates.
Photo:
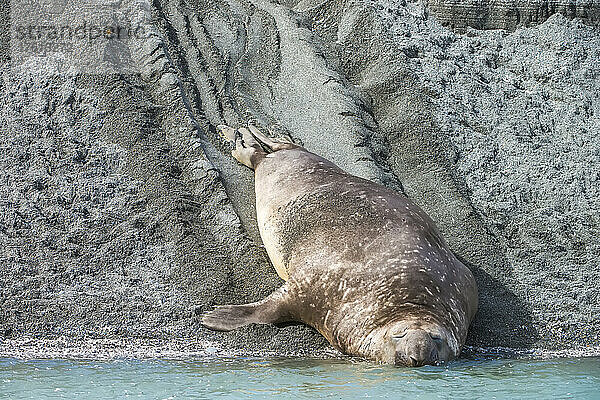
(271, 310)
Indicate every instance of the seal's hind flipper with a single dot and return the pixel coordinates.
(271, 310)
(244, 146)
(272, 143)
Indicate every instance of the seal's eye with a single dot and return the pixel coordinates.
(437, 339)
(399, 336)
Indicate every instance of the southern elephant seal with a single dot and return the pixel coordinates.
(363, 264)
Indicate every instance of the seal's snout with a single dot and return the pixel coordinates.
(416, 348)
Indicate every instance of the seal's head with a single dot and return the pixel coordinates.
(415, 345)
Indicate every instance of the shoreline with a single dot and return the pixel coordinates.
(136, 348)
(194, 348)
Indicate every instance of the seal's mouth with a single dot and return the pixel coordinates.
(416, 347)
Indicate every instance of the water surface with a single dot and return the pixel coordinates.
(235, 378)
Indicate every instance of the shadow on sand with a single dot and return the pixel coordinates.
(503, 319)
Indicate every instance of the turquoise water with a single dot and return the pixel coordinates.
(298, 378)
